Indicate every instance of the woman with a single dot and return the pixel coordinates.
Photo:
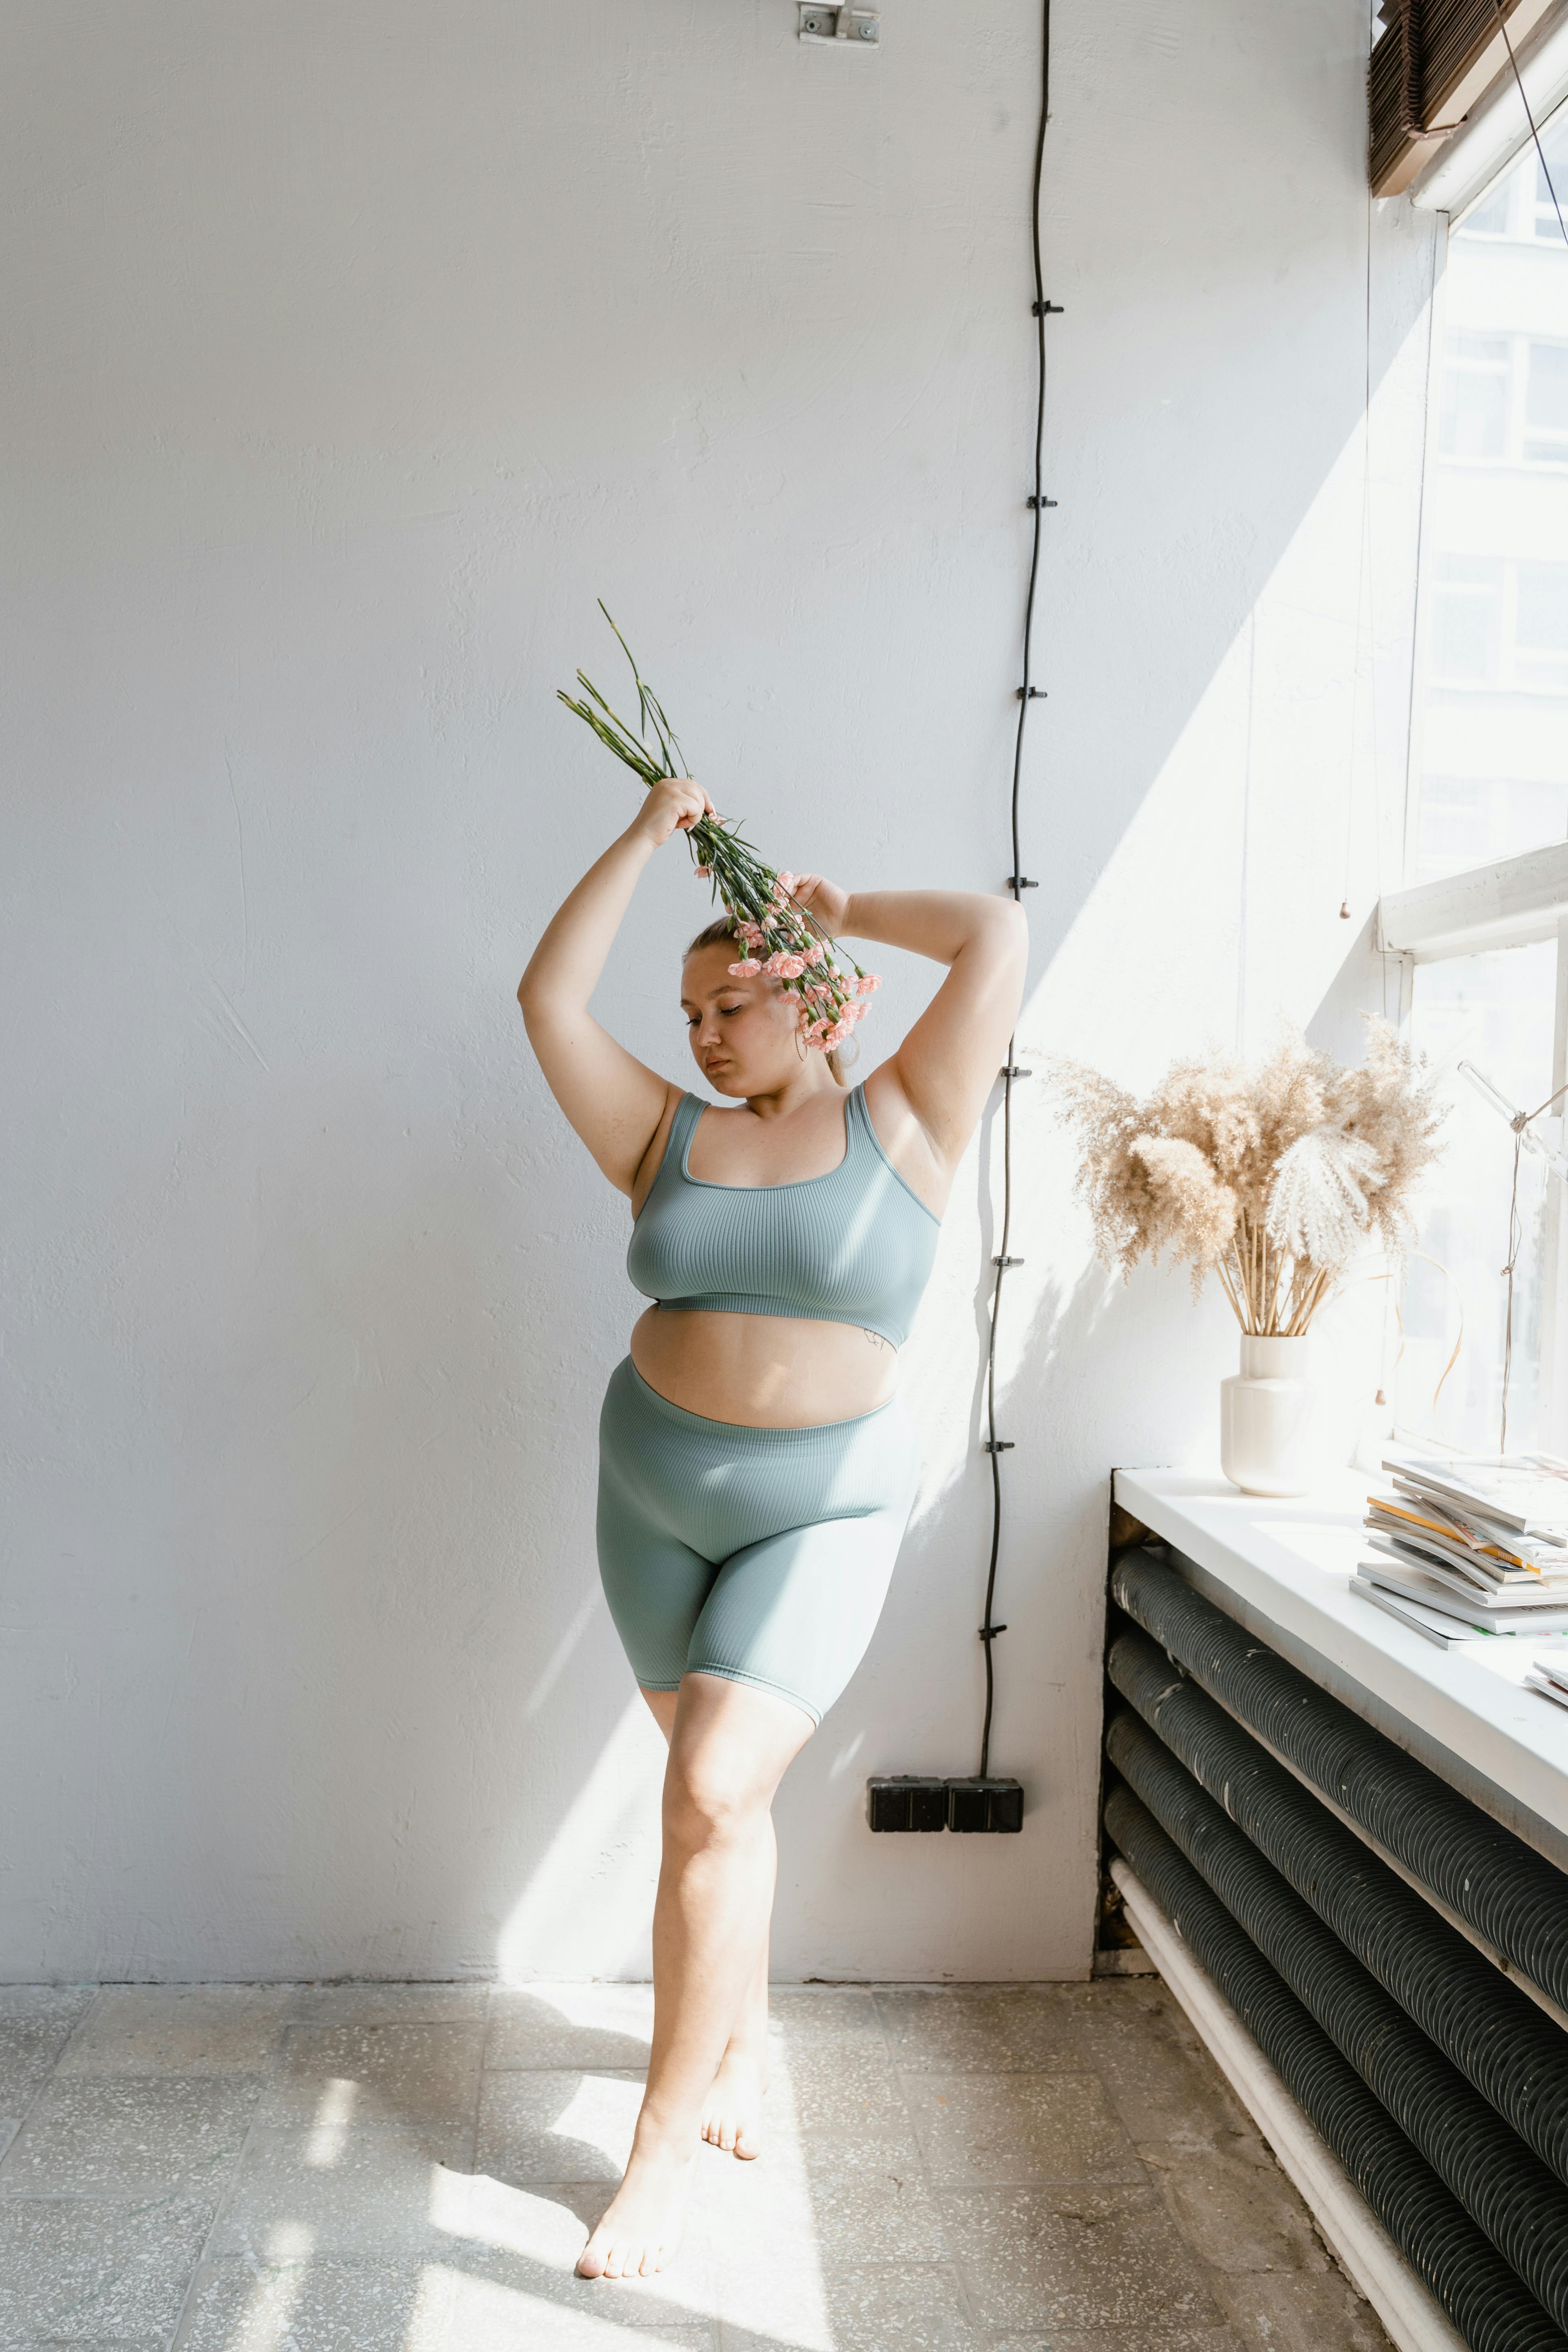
(756, 1471)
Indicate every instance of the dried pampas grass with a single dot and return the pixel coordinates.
(1271, 1177)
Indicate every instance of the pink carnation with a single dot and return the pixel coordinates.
(746, 970)
(867, 982)
(786, 882)
(784, 966)
(702, 872)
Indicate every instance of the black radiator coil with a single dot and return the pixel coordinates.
(1514, 1899)
(1487, 2302)
(1507, 2191)
(1516, 2057)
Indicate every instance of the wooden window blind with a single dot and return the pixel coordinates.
(1431, 62)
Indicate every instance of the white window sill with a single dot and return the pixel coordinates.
(1283, 1570)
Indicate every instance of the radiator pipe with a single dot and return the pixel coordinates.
(1493, 2032)
(1510, 1894)
(1521, 2206)
(1488, 2304)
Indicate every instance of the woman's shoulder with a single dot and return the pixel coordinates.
(680, 1109)
(898, 1130)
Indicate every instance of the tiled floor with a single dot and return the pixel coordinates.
(410, 2168)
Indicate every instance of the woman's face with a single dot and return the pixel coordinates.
(744, 1032)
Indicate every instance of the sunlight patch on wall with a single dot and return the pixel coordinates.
(1216, 914)
(587, 1907)
(561, 1656)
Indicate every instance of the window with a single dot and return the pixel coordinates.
(1540, 626)
(1490, 742)
(1496, 1012)
(1476, 395)
(1466, 620)
(1546, 405)
(1489, 781)
(1554, 142)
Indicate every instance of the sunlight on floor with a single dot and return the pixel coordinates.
(265, 2323)
(958, 2168)
(751, 2251)
(334, 2117)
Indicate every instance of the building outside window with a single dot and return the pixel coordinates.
(1489, 781)
(1491, 753)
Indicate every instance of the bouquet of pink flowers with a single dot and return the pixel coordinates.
(779, 935)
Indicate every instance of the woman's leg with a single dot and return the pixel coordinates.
(732, 2112)
(729, 1749)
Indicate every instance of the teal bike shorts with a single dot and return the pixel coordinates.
(761, 1556)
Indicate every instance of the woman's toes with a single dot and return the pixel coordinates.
(734, 2120)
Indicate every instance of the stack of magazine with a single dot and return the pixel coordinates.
(1464, 1549)
(1550, 1679)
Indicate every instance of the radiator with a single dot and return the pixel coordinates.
(1438, 2080)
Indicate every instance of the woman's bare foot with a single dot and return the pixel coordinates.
(732, 2116)
(642, 2229)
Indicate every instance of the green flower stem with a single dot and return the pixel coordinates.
(744, 882)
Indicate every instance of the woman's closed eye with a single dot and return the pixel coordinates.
(693, 1020)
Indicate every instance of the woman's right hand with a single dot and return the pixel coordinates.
(673, 806)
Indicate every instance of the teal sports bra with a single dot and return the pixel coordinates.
(855, 1245)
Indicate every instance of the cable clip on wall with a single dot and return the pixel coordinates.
(851, 27)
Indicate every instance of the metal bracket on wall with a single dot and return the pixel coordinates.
(856, 28)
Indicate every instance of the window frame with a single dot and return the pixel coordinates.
(1512, 902)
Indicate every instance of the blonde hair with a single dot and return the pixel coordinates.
(722, 934)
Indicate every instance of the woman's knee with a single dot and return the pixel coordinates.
(705, 1807)
(718, 1790)
(730, 1748)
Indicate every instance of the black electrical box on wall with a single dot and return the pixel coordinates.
(986, 1804)
(906, 1803)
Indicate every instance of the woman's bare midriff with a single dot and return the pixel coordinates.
(766, 1372)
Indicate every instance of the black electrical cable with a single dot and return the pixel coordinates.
(1017, 882)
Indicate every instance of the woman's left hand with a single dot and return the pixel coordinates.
(825, 899)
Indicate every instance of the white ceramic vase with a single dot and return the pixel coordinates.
(1265, 1419)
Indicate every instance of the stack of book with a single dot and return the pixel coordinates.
(1550, 1679)
(1465, 1549)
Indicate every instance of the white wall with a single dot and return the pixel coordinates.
(350, 353)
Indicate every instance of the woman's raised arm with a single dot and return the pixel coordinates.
(613, 1101)
(948, 1064)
